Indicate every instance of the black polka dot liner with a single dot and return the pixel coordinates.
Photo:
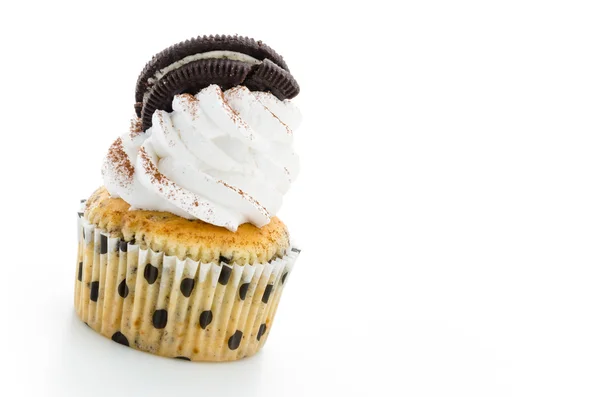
(160, 318)
(122, 289)
(175, 308)
(150, 273)
(261, 331)
(94, 289)
(205, 318)
(225, 275)
(120, 338)
(235, 340)
(187, 286)
(244, 290)
(103, 244)
(267, 293)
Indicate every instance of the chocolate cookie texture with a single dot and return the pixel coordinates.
(228, 61)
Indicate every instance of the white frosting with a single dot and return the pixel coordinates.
(223, 157)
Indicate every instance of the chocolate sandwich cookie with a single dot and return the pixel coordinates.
(228, 61)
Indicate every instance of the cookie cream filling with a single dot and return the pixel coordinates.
(231, 55)
(222, 157)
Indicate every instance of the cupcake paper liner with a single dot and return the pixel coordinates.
(172, 307)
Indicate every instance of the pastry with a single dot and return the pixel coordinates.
(181, 253)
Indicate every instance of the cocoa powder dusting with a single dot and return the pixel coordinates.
(234, 115)
(135, 128)
(188, 97)
(150, 168)
(118, 157)
(246, 196)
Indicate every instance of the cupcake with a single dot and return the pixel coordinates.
(180, 252)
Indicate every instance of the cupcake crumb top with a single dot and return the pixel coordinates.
(195, 239)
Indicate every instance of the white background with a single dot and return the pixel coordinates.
(448, 205)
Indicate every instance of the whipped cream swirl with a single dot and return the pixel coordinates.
(222, 157)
